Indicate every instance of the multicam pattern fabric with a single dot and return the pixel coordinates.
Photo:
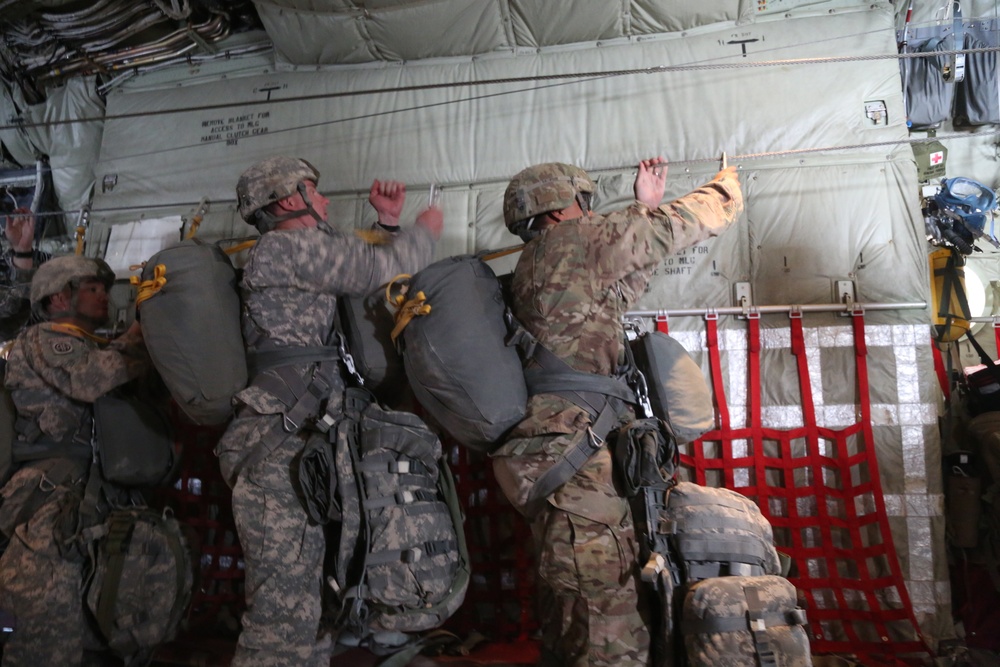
(571, 287)
(290, 287)
(52, 376)
(723, 602)
(542, 188)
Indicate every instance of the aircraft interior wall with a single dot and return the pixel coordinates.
(831, 190)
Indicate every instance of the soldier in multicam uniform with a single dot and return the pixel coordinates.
(55, 371)
(577, 276)
(291, 282)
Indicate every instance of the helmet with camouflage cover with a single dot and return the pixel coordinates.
(551, 186)
(269, 181)
(54, 275)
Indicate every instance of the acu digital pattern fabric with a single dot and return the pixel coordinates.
(53, 376)
(571, 288)
(290, 288)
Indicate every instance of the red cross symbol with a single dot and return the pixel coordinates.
(937, 157)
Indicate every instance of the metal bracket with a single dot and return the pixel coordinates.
(742, 295)
(876, 112)
(844, 293)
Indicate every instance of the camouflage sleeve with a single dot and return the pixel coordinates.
(703, 213)
(11, 300)
(74, 368)
(342, 264)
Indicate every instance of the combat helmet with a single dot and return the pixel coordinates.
(551, 186)
(54, 275)
(269, 181)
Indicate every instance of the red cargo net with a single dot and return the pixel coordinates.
(819, 487)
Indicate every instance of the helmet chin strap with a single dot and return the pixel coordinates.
(270, 221)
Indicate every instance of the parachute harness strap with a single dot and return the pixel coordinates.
(406, 309)
(149, 288)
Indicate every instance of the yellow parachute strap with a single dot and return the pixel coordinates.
(73, 330)
(80, 231)
(240, 247)
(503, 252)
(149, 288)
(406, 309)
(373, 236)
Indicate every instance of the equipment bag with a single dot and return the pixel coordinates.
(678, 393)
(189, 310)
(401, 564)
(460, 368)
(977, 101)
(752, 621)
(139, 580)
(367, 323)
(717, 532)
(135, 444)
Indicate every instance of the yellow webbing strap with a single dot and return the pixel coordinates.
(406, 309)
(149, 288)
(73, 330)
(373, 236)
(240, 246)
(80, 231)
(503, 252)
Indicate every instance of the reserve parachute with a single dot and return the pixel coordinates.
(189, 310)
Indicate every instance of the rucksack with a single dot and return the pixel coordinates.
(752, 621)
(189, 309)
(458, 363)
(139, 580)
(400, 563)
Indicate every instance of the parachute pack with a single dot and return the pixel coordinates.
(139, 581)
(458, 364)
(189, 309)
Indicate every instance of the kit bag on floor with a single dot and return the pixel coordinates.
(457, 361)
(401, 565)
(716, 532)
(744, 622)
(139, 580)
(189, 309)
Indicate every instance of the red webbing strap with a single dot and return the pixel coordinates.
(893, 584)
(663, 324)
(696, 461)
(760, 492)
(996, 333)
(942, 376)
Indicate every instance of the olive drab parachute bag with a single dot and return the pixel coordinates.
(400, 564)
(676, 386)
(189, 309)
(752, 621)
(458, 364)
(138, 581)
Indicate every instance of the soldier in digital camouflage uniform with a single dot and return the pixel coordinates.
(55, 370)
(291, 283)
(17, 266)
(577, 276)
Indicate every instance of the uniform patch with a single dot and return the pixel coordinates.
(62, 346)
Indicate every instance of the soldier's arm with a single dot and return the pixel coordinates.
(703, 213)
(346, 264)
